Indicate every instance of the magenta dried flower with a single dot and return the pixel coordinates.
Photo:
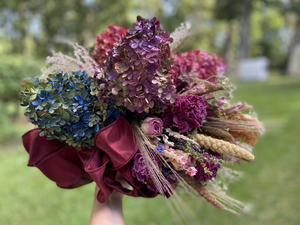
(138, 68)
(187, 112)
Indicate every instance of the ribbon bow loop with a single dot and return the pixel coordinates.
(69, 168)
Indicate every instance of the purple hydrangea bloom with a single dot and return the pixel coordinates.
(187, 112)
(201, 175)
(138, 66)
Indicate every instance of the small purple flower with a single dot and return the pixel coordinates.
(213, 168)
(160, 148)
(139, 169)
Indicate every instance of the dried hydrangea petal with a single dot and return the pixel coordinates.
(139, 64)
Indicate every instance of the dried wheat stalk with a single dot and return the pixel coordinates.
(217, 133)
(221, 146)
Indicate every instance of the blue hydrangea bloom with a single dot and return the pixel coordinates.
(66, 108)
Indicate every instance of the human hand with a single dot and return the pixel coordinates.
(109, 212)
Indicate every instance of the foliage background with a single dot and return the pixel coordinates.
(30, 30)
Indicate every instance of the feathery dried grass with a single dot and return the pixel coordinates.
(180, 35)
(60, 62)
(203, 87)
(177, 135)
(241, 126)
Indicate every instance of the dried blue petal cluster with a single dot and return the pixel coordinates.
(66, 108)
(160, 148)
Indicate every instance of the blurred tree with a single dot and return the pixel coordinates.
(288, 15)
(288, 8)
(13, 69)
(38, 27)
(293, 8)
(58, 21)
(268, 23)
(229, 11)
(244, 29)
(18, 14)
(260, 25)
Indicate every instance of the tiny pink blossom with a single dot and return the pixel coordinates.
(191, 160)
(192, 171)
(177, 159)
(182, 161)
(152, 126)
(166, 146)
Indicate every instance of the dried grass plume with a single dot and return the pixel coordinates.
(179, 35)
(59, 62)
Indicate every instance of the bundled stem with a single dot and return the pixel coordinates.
(202, 190)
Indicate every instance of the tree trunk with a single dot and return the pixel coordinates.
(228, 55)
(293, 68)
(228, 43)
(245, 29)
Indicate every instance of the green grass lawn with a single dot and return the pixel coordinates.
(269, 187)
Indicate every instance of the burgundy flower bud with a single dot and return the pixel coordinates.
(152, 126)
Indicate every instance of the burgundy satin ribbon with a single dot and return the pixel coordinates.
(70, 168)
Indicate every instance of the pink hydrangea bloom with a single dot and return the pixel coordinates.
(105, 43)
(195, 63)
